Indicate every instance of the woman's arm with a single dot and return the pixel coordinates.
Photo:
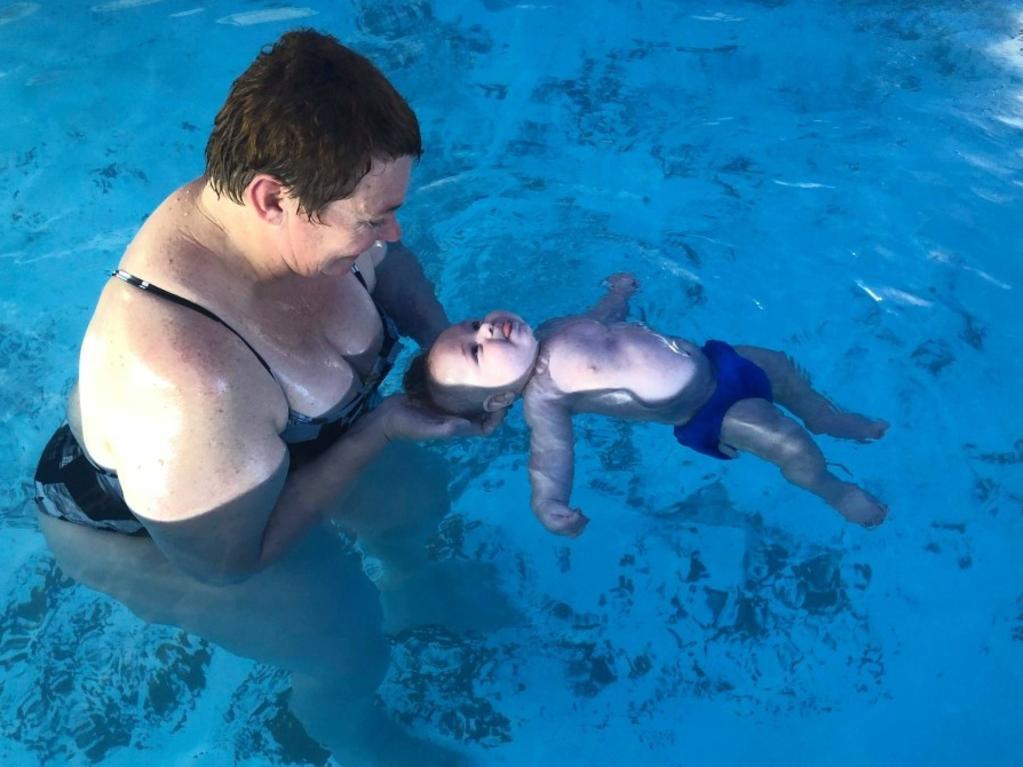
(315, 488)
(192, 426)
(403, 291)
(241, 535)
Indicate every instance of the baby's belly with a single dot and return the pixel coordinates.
(656, 374)
(666, 378)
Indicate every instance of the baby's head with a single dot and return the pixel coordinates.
(476, 366)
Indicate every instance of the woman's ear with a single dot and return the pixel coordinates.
(268, 197)
(496, 402)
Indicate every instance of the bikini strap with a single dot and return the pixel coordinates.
(156, 290)
(391, 334)
(361, 279)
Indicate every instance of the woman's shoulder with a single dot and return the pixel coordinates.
(142, 351)
(133, 327)
(164, 399)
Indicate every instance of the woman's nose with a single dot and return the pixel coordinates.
(391, 231)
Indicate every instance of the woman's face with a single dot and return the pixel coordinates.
(350, 226)
(495, 352)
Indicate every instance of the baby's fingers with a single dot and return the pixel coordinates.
(570, 523)
(623, 281)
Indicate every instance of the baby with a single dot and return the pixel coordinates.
(720, 399)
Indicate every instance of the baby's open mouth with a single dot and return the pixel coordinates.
(507, 327)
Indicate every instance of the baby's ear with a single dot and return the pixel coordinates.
(496, 402)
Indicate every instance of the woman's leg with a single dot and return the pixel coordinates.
(313, 612)
(396, 506)
(395, 509)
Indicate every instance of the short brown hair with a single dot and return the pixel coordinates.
(314, 115)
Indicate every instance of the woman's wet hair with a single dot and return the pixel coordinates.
(314, 115)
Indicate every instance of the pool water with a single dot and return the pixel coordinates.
(841, 180)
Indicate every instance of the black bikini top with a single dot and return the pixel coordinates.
(306, 436)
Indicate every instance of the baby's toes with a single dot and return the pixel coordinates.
(882, 428)
(879, 516)
(860, 507)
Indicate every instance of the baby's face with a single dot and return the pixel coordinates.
(494, 352)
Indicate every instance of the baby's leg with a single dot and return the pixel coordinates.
(756, 426)
(792, 389)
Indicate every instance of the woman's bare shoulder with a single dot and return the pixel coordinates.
(169, 399)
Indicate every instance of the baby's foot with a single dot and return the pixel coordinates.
(849, 426)
(859, 506)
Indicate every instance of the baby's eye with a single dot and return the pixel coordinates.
(476, 325)
(475, 351)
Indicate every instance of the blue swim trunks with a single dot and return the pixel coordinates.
(737, 378)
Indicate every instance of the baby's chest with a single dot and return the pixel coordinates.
(643, 365)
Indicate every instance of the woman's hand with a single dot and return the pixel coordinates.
(401, 419)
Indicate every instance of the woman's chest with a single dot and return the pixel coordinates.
(321, 345)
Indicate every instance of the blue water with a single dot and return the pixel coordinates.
(842, 180)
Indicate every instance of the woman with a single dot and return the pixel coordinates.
(226, 393)
(226, 380)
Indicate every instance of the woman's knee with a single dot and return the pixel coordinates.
(381, 505)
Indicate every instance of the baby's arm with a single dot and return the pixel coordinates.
(551, 459)
(614, 306)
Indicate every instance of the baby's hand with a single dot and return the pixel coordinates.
(560, 519)
(623, 283)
